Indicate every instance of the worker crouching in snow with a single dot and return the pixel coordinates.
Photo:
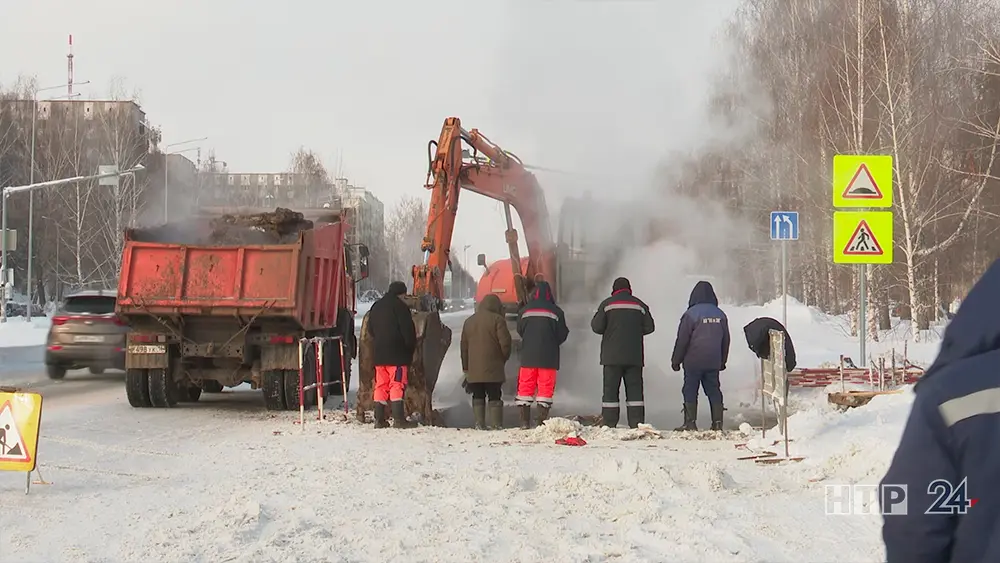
(758, 333)
(947, 458)
(394, 340)
(623, 321)
(542, 326)
(702, 347)
(485, 350)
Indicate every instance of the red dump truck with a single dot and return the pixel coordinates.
(214, 303)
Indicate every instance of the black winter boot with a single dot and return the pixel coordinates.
(636, 415)
(380, 418)
(479, 413)
(399, 416)
(717, 410)
(543, 414)
(690, 418)
(610, 415)
(525, 413)
(495, 412)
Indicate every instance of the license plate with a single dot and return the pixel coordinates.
(147, 349)
(88, 338)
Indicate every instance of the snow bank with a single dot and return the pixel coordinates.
(19, 332)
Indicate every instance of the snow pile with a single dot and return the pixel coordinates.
(556, 428)
(17, 331)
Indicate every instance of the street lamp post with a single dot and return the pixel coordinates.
(31, 178)
(166, 172)
(5, 195)
(465, 264)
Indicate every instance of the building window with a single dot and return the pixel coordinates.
(245, 180)
(232, 180)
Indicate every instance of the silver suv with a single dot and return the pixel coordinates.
(86, 333)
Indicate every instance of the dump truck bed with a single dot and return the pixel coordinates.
(295, 280)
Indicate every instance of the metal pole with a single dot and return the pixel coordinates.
(863, 312)
(166, 190)
(3, 255)
(31, 200)
(784, 283)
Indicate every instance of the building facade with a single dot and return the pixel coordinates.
(366, 215)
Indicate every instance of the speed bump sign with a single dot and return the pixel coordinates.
(20, 421)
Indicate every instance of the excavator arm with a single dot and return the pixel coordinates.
(496, 174)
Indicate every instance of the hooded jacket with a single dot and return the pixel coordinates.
(542, 326)
(703, 335)
(951, 438)
(485, 343)
(759, 339)
(623, 321)
(391, 327)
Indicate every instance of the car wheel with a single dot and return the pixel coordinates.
(55, 372)
(96, 371)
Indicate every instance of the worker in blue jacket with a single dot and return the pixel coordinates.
(948, 457)
(702, 348)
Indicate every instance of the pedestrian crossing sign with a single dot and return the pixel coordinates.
(20, 417)
(862, 237)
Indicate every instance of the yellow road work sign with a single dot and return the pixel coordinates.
(862, 237)
(862, 180)
(20, 420)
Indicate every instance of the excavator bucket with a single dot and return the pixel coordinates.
(433, 341)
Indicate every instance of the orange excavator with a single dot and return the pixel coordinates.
(463, 160)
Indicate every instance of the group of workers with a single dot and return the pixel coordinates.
(622, 320)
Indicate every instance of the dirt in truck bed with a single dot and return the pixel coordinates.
(281, 226)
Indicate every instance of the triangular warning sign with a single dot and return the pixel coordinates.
(862, 185)
(863, 242)
(11, 445)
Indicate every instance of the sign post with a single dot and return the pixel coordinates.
(862, 182)
(784, 227)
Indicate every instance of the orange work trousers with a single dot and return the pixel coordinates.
(390, 383)
(535, 385)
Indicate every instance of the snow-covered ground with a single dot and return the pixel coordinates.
(222, 480)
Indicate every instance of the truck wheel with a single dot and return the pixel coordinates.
(292, 392)
(274, 390)
(190, 394)
(137, 388)
(55, 372)
(211, 386)
(162, 389)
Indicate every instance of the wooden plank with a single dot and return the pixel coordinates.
(852, 399)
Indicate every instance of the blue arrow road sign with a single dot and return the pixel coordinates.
(784, 225)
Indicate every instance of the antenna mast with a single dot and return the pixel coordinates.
(69, 68)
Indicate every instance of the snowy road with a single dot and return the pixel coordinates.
(224, 480)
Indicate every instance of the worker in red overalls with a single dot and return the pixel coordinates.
(394, 339)
(542, 326)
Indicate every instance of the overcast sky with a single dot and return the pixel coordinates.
(603, 88)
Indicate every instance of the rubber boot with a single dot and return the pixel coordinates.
(495, 412)
(636, 415)
(716, 416)
(399, 416)
(525, 413)
(479, 413)
(543, 414)
(380, 418)
(610, 415)
(690, 418)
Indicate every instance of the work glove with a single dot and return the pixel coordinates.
(675, 367)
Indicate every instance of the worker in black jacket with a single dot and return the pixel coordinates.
(623, 321)
(394, 336)
(542, 326)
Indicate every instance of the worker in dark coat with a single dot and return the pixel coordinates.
(486, 346)
(623, 321)
(758, 333)
(394, 336)
(947, 457)
(542, 326)
(702, 347)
